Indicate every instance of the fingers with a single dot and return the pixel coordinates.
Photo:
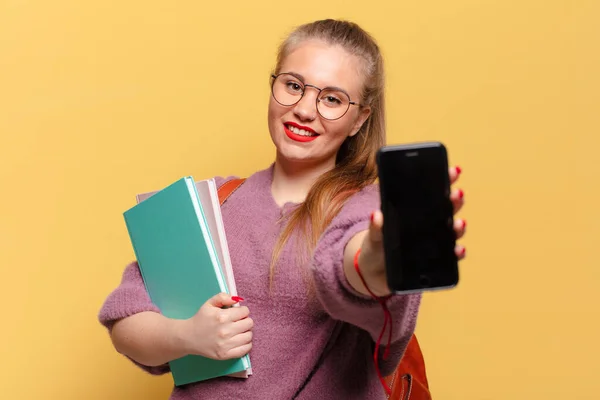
(236, 328)
(237, 313)
(375, 233)
(461, 251)
(239, 343)
(457, 196)
(243, 325)
(221, 300)
(454, 173)
(241, 339)
(460, 226)
(233, 314)
(239, 351)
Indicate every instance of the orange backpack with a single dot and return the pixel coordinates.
(409, 380)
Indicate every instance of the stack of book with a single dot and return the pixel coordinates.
(179, 241)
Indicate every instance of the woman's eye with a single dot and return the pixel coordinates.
(332, 100)
(294, 86)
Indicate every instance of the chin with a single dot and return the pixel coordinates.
(291, 154)
(294, 155)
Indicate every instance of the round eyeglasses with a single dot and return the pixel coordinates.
(332, 103)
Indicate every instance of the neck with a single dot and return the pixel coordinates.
(292, 180)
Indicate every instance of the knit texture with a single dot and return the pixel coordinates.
(320, 344)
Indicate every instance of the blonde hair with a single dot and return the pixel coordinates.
(355, 163)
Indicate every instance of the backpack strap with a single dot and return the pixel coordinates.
(227, 189)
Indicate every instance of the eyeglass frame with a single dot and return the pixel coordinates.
(317, 100)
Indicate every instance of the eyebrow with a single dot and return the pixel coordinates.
(301, 78)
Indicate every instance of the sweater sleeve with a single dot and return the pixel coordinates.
(129, 298)
(337, 296)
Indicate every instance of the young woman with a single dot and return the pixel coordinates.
(294, 230)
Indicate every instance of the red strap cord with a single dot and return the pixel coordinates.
(387, 317)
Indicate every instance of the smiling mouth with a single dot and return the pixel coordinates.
(300, 132)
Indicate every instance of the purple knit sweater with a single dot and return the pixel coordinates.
(292, 328)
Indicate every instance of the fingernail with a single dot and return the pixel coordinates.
(464, 224)
(236, 299)
(458, 170)
(461, 194)
(463, 252)
(372, 216)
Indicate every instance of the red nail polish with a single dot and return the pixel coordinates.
(236, 299)
(464, 223)
(458, 170)
(463, 252)
(372, 216)
(461, 194)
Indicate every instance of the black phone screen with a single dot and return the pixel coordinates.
(418, 232)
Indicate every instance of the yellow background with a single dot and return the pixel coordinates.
(102, 100)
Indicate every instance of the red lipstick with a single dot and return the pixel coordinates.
(296, 137)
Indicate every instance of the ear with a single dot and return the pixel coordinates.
(360, 120)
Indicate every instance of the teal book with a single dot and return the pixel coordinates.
(180, 266)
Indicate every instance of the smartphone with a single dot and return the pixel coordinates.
(418, 218)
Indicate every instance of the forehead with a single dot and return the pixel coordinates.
(322, 65)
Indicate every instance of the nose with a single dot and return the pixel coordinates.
(306, 108)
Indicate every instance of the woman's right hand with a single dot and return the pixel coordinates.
(219, 333)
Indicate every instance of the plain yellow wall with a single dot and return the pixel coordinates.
(102, 100)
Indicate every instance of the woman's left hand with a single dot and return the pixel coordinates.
(371, 259)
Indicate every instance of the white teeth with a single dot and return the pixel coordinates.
(300, 132)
